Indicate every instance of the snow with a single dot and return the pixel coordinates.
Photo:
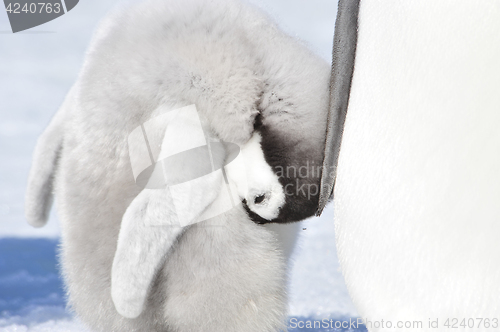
(37, 69)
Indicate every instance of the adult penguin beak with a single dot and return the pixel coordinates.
(343, 58)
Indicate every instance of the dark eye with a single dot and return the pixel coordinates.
(259, 199)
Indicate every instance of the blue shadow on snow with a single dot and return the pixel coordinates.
(30, 277)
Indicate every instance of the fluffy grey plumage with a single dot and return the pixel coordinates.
(223, 274)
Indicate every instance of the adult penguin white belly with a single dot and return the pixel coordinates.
(418, 183)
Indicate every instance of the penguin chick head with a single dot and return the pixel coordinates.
(267, 184)
(295, 161)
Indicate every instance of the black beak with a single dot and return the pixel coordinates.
(254, 216)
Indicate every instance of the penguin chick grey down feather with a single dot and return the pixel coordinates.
(253, 86)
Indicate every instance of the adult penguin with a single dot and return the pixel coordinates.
(418, 178)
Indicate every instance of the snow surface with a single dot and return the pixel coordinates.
(37, 68)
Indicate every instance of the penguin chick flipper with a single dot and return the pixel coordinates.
(141, 247)
(39, 193)
(152, 223)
